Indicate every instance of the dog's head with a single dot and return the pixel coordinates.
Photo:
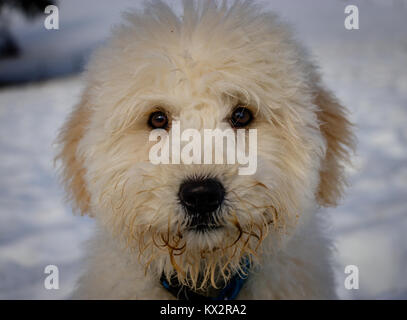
(221, 67)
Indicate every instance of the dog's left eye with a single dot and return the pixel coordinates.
(241, 117)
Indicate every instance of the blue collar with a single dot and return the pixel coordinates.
(229, 292)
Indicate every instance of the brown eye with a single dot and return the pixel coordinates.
(158, 120)
(241, 117)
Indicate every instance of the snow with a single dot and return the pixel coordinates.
(81, 29)
(366, 68)
(36, 228)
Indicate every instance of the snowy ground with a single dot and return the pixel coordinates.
(366, 68)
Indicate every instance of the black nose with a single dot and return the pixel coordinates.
(201, 196)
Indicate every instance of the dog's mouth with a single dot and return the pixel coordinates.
(203, 222)
(203, 227)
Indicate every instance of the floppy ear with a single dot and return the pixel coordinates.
(337, 131)
(72, 169)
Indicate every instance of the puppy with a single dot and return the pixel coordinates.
(204, 231)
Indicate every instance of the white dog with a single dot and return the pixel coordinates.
(203, 231)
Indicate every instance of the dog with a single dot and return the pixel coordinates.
(203, 231)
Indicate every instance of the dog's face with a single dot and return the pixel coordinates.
(215, 68)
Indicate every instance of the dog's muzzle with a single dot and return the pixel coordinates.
(201, 199)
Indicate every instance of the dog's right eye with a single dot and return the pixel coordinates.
(158, 120)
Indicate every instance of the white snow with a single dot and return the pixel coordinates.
(367, 70)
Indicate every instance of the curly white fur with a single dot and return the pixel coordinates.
(197, 67)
